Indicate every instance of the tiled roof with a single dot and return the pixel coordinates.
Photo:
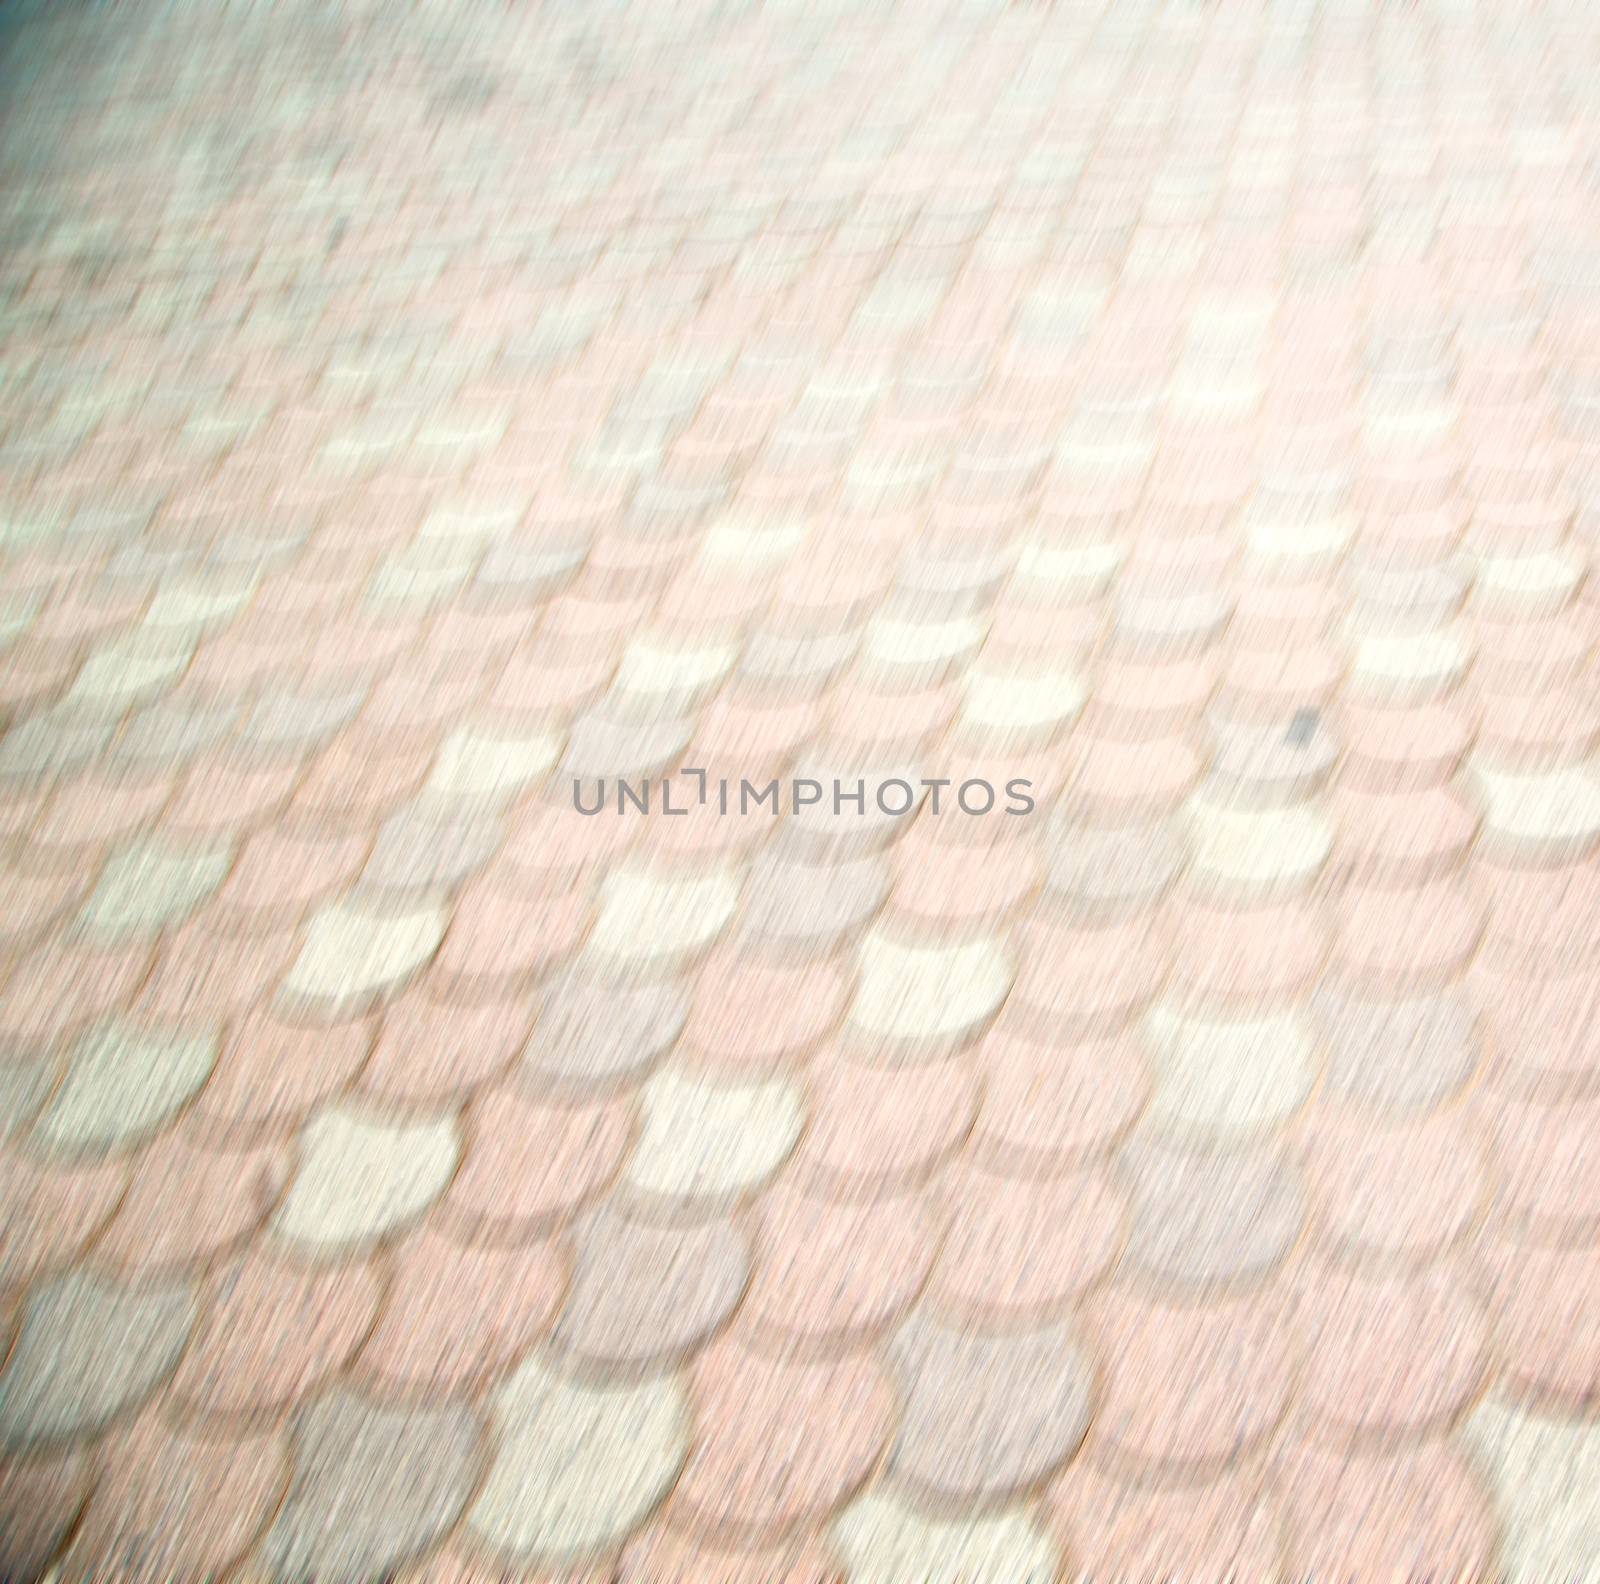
(1176, 423)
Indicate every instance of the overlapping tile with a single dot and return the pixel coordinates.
(408, 1172)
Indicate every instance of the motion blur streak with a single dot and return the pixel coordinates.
(1182, 1168)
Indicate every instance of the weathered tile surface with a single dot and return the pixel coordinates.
(817, 426)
